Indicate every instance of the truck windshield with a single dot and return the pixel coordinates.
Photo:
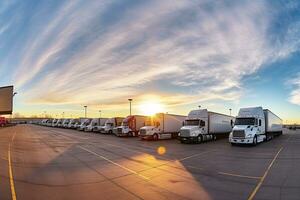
(109, 124)
(149, 123)
(86, 122)
(192, 122)
(245, 121)
(124, 123)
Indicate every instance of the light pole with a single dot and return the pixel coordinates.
(130, 100)
(199, 107)
(100, 113)
(230, 111)
(85, 111)
(63, 115)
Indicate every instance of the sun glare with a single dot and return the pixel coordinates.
(151, 108)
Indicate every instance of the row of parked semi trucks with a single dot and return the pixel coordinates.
(251, 126)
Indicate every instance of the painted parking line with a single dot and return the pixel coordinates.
(239, 175)
(114, 163)
(251, 197)
(10, 171)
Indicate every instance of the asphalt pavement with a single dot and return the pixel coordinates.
(51, 163)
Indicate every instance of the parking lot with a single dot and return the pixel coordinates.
(51, 163)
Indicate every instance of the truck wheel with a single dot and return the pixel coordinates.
(155, 136)
(214, 137)
(200, 139)
(254, 141)
(110, 132)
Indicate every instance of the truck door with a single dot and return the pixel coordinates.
(204, 126)
(258, 124)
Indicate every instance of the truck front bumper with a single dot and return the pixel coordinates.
(241, 140)
(146, 137)
(188, 139)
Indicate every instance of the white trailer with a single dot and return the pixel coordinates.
(162, 126)
(95, 123)
(254, 125)
(203, 125)
(109, 125)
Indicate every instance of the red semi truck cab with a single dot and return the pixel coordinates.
(130, 125)
(3, 121)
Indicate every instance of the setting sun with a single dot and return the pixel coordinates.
(151, 108)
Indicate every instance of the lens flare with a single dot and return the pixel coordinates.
(161, 150)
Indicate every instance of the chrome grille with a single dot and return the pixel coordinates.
(119, 130)
(238, 134)
(143, 131)
(184, 133)
(115, 131)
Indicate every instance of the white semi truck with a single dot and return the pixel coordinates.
(109, 125)
(73, 122)
(254, 125)
(84, 123)
(203, 125)
(162, 126)
(96, 122)
(65, 123)
(130, 125)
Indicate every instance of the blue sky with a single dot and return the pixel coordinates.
(61, 55)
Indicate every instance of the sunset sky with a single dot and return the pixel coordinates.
(62, 55)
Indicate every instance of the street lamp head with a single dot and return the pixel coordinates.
(130, 99)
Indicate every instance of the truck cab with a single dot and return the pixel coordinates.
(125, 127)
(3, 121)
(162, 126)
(152, 129)
(93, 125)
(249, 127)
(72, 123)
(130, 126)
(54, 122)
(65, 123)
(195, 127)
(110, 124)
(84, 124)
(58, 123)
(107, 128)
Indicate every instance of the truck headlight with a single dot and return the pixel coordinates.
(193, 134)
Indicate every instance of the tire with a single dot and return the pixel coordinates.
(214, 138)
(200, 139)
(232, 144)
(155, 136)
(254, 141)
(110, 132)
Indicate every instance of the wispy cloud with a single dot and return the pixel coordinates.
(295, 94)
(100, 52)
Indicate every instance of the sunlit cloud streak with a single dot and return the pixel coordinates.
(104, 51)
(295, 94)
